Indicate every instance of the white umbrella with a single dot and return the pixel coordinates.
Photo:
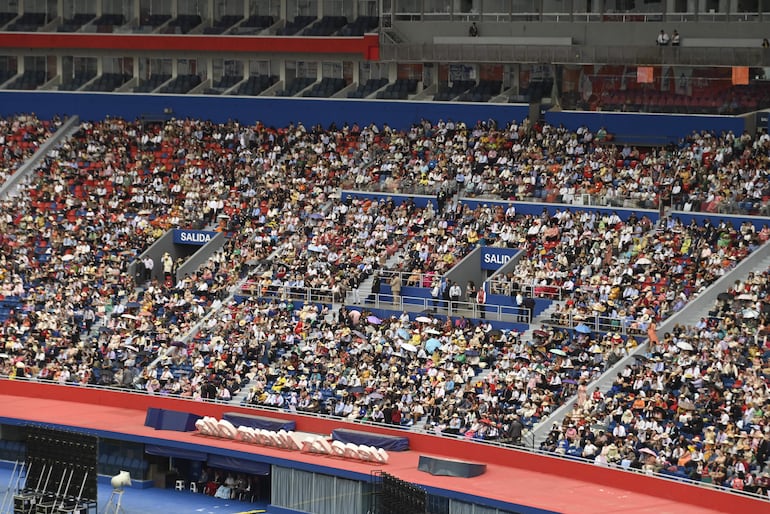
(746, 296)
(68, 257)
(643, 261)
(433, 331)
(408, 347)
(129, 316)
(423, 319)
(684, 345)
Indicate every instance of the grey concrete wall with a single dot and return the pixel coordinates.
(199, 258)
(467, 269)
(598, 34)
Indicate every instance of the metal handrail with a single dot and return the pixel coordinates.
(498, 444)
(501, 285)
(576, 54)
(389, 302)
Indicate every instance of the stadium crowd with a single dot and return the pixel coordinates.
(106, 194)
(695, 405)
(538, 162)
(20, 137)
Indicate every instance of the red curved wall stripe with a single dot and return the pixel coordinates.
(453, 448)
(366, 46)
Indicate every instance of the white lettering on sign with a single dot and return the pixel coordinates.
(491, 258)
(194, 237)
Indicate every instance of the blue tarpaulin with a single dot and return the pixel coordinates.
(386, 442)
(178, 453)
(241, 465)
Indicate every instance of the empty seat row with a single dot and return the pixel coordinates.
(368, 88)
(151, 84)
(181, 84)
(76, 22)
(222, 24)
(29, 22)
(296, 86)
(108, 82)
(325, 88)
(255, 85)
(296, 26)
(399, 90)
(326, 26)
(77, 81)
(30, 79)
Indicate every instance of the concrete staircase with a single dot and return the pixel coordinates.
(689, 315)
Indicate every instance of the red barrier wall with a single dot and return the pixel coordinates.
(454, 448)
(365, 46)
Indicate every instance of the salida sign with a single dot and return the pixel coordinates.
(493, 258)
(193, 237)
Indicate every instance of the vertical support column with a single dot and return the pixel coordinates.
(21, 7)
(210, 68)
(59, 9)
(137, 8)
(174, 8)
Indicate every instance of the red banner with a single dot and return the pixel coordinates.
(367, 47)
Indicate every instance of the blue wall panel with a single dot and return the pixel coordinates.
(270, 111)
(537, 208)
(651, 128)
(646, 128)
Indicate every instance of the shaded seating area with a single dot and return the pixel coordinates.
(151, 84)
(28, 22)
(368, 88)
(223, 24)
(76, 81)
(181, 84)
(31, 79)
(482, 92)
(448, 93)
(108, 82)
(154, 20)
(255, 85)
(360, 26)
(325, 88)
(399, 90)
(224, 83)
(296, 86)
(326, 26)
(183, 23)
(254, 24)
(6, 17)
(6, 75)
(76, 22)
(292, 28)
(108, 21)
